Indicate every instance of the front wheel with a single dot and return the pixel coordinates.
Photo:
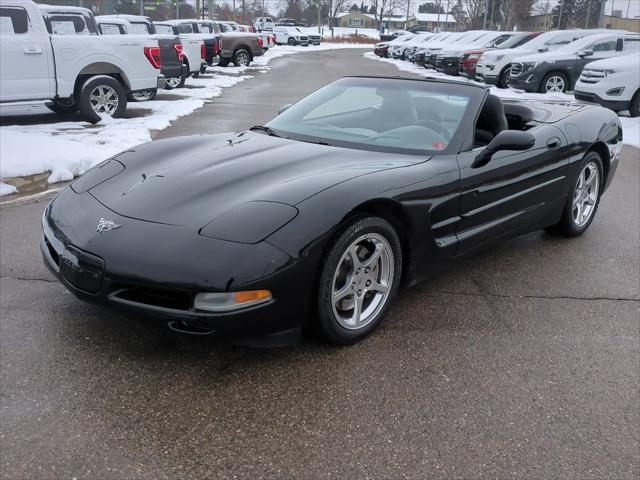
(584, 198)
(359, 279)
(291, 41)
(554, 82)
(101, 96)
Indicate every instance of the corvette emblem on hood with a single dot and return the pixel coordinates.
(106, 225)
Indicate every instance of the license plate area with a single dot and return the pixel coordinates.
(81, 269)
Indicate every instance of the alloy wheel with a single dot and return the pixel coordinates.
(242, 58)
(104, 100)
(174, 82)
(585, 195)
(555, 84)
(362, 281)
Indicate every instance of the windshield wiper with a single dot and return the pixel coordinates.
(267, 130)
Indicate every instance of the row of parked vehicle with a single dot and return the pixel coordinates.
(74, 61)
(599, 66)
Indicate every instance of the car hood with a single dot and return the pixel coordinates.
(547, 57)
(188, 181)
(509, 52)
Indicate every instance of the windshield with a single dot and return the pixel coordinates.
(517, 40)
(406, 116)
(578, 45)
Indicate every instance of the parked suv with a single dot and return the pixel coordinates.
(291, 36)
(55, 55)
(613, 83)
(558, 71)
(493, 67)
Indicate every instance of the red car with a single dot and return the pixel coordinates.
(381, 49)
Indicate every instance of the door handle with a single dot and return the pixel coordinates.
(553, 142)
(32, 51)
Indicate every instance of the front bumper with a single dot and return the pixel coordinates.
(488, 79)
(528, 82)
(161, 82)
(448, 65)
(119, 268)
(615, 105)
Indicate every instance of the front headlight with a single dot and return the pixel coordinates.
(609, 72)
(526, 66)
(497, 58)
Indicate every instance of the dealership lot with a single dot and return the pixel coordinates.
(521, 361)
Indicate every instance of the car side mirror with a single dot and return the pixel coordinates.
(505, 140)
(284, 108)
(543, 49)
(585, 53)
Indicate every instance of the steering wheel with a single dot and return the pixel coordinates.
(434, 126)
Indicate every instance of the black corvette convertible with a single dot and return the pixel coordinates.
(320, 216)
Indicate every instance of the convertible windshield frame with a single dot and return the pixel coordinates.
(474, 93)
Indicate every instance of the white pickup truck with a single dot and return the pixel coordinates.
(61, 60)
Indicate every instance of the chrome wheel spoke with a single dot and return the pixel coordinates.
(375, 256)
(353, 255)
(343, 293)
(378, 287)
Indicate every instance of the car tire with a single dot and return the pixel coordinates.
(503, 77)
(62, 108)
(573, 223)
(634, 106)
(358, 282)
(291, 41)
(559, 79)
(241, 58)
(223, 62)
(143, 95)
(101, 95)
(175, 82)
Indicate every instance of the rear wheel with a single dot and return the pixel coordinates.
(175, 82)
(634, 108)
(101, 96)
(291, 41)
(359, 279)
(554, 82)
(583, 201)
(241, 58)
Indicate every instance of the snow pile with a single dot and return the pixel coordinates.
(630, 126)
(68, 149)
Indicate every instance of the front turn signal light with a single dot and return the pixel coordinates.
(230, 301)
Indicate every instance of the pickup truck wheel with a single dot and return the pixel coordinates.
(142, 95)
(634, 108)
(241, 58)
(63, 108)
(175, 82)
(101, 96)
(291, 41)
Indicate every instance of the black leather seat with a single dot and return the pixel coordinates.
(491, 121)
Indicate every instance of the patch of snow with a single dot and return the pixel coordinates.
(68, 149)
(630, 126)
(6, 189)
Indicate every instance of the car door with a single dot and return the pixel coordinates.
(26, 65)
(516, 189)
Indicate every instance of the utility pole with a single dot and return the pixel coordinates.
(491, 18)
(560, 15)
(438, 7)
(406, 18)
(486, 8)
(177, 9)
(243, 11)
(446, 14)
(141, 7)
(586, 22)
(319, 19)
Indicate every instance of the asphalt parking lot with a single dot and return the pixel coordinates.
(521, 362)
